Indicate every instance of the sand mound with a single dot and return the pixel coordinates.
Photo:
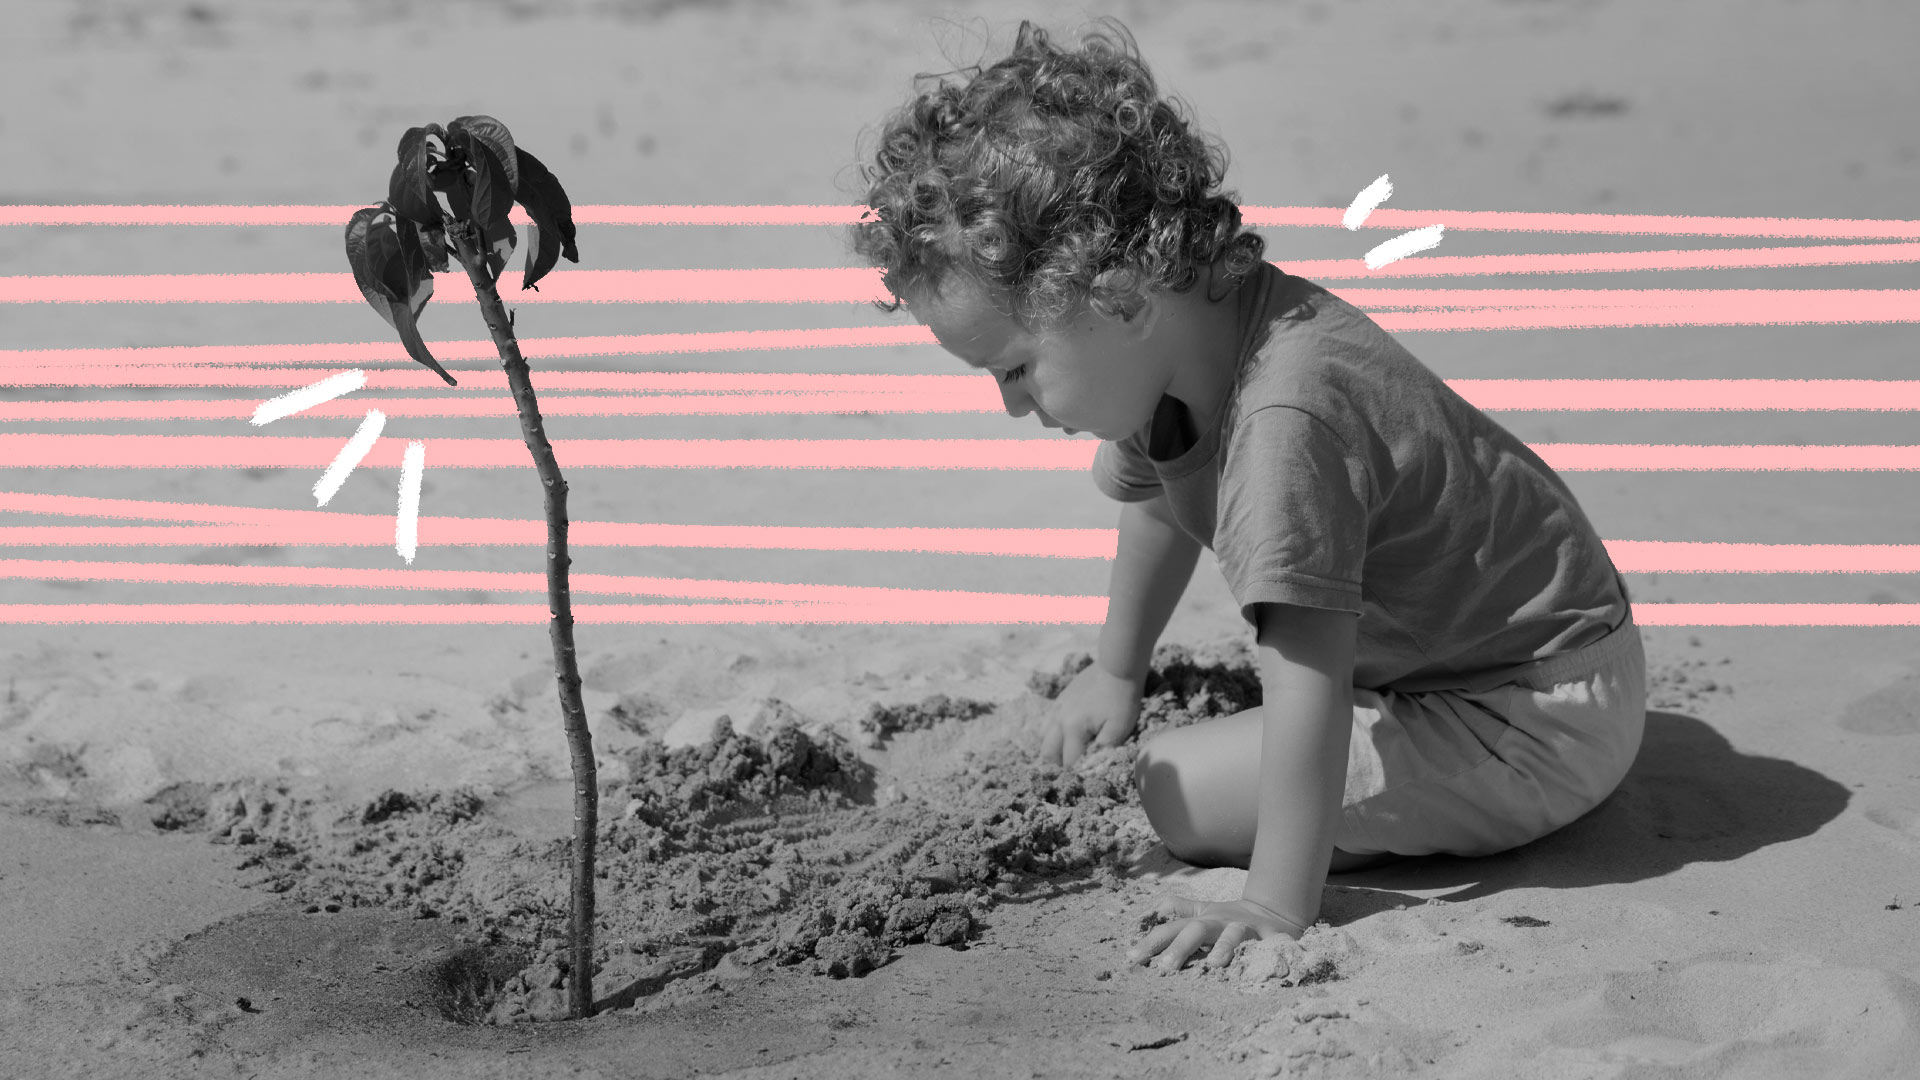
(781, 846)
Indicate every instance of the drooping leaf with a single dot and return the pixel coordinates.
(492, 200)
(546, 202)
(454, 183)
(403, 320)
(533, 246)
(360, 256)
(413, 256)
(390, 268)
(406, 314)
(496, 138)
(410, 189)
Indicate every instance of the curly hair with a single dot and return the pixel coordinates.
(1052, 177)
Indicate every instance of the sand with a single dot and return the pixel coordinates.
(831, 851)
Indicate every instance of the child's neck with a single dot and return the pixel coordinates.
(1204, 340)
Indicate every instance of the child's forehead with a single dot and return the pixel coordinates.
(964, 318)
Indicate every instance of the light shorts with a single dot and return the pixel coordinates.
(1496, 762)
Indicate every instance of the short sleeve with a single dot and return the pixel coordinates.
(1122, 470)
(1293, 512)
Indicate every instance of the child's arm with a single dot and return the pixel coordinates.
(1306, 677)
(1306, 674)
(1151, 568)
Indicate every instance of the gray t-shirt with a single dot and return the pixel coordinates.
(1352, 478)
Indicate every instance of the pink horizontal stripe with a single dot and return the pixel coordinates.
(1597, 318)
(480, 382)
(459, 532)
(1593, 224)
(1315, 216)
(1004, 609)
(453, 407)
(751, 394)
(336, 216)
(1626, 457)
(250, 525)
(494, 581)
(1777, 614)
(1086, 610)
(1601, 262)
(350, 353)
(833, 285)
(1465, 308)
(288, 451)
(1630, 556)
(860, 285)
(253, 525)
(1688, 395)
(1658, 557)
(1056, 454)
(1703, 557)
(1754, 301)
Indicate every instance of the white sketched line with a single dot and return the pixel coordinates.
(406, 533)
(307, 397)
(1407, 243)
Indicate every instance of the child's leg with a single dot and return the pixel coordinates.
(1200, 788)
(1461, 772)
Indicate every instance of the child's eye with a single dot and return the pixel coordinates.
(1013, 374)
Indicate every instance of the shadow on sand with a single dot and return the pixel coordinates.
(1690, 797)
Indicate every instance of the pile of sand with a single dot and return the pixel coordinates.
(785, 846)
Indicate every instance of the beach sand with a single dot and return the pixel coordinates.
(304, 851)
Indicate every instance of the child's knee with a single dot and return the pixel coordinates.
(1157, 780)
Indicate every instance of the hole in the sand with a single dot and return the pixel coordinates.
(469, 982)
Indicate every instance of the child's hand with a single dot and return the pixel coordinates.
(1195, 924)
(1098, 706)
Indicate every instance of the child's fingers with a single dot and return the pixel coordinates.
(1156, 941)
(1050, 746)
(1230, 939)
(1193, 934)
(1113, 733)
(1073, 742)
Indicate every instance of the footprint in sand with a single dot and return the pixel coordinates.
(1335, 1037)
(1732, 1018)
(1891, 710)
(1904, 820)
(1413, 932)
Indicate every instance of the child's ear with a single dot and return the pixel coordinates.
(1144, 317)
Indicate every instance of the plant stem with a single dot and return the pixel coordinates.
(586, 789)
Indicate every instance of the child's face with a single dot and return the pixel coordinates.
(1092, 373)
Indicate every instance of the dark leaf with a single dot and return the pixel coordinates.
(416, 347)
(538, 243)
(359, 256)
(413, 255)
(546, 202)
(492, 201)
(453, 180)
(410, 189)
(494, 135)
(390, 268)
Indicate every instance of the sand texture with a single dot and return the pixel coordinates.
(287, 851)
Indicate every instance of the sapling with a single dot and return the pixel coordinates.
(450, 194)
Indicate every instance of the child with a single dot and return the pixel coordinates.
(1447, 655)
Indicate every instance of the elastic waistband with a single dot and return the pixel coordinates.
(1541, 673)
(1550, 670)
